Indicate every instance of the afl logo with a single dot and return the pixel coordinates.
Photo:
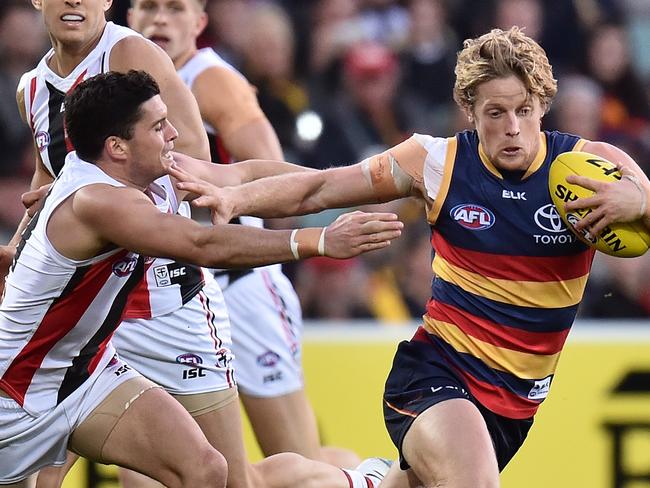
(42, 139)
(548, 219)
(189, 358)
(268, 359)
(472, 217)
(124, 267)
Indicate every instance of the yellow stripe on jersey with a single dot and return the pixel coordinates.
(522, 365)
(551, 294)
(535, 165)
(450, 159)
(580, 144)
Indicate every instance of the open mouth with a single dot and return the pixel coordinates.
(72, 19)
(162, 41)
(510, 151)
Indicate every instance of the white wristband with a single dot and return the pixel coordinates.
(644, 198)
(321, 242)
(294, 245)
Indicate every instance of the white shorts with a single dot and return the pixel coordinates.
(186, 351)
(266, 321)
(29, 443)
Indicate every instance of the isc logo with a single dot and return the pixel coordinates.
(473, 217)
(175, 273)
(189, 374)
(165, 274)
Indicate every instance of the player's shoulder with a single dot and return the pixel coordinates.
(134, 52)
(432, 144)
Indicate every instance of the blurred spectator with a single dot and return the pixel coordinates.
(399, 284)
(617, 288)
(385, 21)
(335, 28)
(19, 52)
(626, 100)
(428, 63)
(372, 112)
(527, 14)
(305, 134)
(333, 289)
(577, 108)
(228, 28)
(626, 105)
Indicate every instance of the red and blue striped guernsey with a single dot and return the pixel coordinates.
(508, 274)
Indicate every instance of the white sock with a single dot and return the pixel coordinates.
(357, 480)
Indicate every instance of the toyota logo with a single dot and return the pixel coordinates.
(549, 219)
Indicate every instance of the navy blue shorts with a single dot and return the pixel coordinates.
(419, 379)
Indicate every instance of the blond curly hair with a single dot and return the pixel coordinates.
(499, 54)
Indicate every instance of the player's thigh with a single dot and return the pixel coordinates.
(284, 423)
(223, 428)
(450, 442)
(142, 427)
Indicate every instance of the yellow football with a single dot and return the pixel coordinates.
(624, 240)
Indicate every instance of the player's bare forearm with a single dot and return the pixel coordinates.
(236, 173)
(126, 218)
(289, 194)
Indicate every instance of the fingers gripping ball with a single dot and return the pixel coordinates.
(624, 240)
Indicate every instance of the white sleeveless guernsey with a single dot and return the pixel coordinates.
(168, 285)
(58, 314)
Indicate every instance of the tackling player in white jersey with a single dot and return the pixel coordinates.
(59, 378)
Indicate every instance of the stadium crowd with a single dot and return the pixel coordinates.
(343, 79)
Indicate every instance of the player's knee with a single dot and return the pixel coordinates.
(210, 470)
(476, 476)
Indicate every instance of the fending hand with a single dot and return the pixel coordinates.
(205, 195)
(357, 232)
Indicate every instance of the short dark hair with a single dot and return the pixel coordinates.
(106, 105)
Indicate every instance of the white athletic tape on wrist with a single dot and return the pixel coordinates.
(644, 197)
(294, 245)
(321, 242)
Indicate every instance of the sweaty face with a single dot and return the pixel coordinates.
(151, 143)
(508, 121)
(78, 22)
(172, 24)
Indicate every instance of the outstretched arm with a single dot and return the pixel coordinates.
(387, 176)
(103, 215)
(622, 201)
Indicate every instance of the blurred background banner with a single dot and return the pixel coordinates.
(593, 431)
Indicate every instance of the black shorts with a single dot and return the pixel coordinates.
(419, 379)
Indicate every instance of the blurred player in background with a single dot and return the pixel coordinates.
(461, 396)
(263, 307)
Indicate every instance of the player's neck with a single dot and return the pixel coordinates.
(68, 55)
(181, 60)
